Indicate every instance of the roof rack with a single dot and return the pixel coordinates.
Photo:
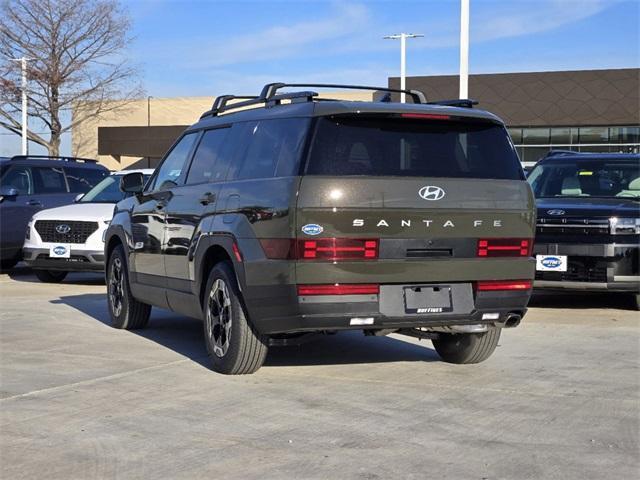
(462, 102)
(270, 96)
(54, 157)
(270, 89)
(220, 103)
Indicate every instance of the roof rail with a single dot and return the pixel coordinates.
(54, 157)
(270, 96)
(462, 102)
(270, 89)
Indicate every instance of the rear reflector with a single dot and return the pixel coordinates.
(505, 247)
(236, 252)
(426, 116)
(338, 289)
(494, 285)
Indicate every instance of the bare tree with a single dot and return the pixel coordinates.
(77, 52)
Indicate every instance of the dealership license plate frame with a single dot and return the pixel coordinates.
(562, 265)
(426, 299)
(66, 254)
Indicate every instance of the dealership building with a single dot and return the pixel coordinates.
(586, 110)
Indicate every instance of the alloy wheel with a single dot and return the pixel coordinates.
(116, 287)
(219, 317)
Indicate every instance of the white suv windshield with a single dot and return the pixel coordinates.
(107, 191)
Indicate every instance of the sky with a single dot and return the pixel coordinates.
(209, 48)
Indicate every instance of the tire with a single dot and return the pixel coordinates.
(50, 276)
(125, 311)
(235, 347)
(6, 265)
(635, 301)
(467, 347)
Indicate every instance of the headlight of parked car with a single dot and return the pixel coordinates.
(622, 226)
(27, 235)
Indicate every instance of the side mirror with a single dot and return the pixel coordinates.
(132, 183)
(78, 197)
(8, 192)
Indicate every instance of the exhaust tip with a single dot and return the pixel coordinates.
(513, 320)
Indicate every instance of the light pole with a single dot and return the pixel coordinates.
(23, 66)
(464, 48)
(149, 131)
(403, 57)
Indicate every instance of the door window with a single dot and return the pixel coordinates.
(174, 163)
(19, 178)
(49, 180)
(207, 165)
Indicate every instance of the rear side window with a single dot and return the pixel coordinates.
(49, 180)
(81, 180)
(412, 148)
(273, 148)
(19, 178)
(207, 164)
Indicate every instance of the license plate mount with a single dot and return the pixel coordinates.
(551, 263)
(424, 299)
(60, 251)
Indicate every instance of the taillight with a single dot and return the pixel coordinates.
(505, 247)
(338, 249)
(426, 116)
(494, 285)
(339, 289)
(320, 248)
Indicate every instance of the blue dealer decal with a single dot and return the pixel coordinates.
(312, 229)
(551, 262)
(59, 250)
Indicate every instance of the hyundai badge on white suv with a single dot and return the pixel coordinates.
(70, 238)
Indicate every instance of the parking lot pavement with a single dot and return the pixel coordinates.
(80, 400)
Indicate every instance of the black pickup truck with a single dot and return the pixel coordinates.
(588, 227)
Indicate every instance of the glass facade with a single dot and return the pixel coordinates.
(535, 142)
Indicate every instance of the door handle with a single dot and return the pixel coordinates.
(34, 203)
(208, 198)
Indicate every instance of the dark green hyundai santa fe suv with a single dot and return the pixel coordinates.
(285, 214)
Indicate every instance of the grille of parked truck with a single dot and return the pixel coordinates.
(588, 232)
(282, 215)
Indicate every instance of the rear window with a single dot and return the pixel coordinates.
(412, 148)
(81, 180)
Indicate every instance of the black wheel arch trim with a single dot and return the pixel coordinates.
(224, 240)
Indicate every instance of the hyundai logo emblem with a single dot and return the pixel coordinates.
(555, 212)
(431, 192)
(63, 228)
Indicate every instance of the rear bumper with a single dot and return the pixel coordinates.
(592, 267)
(79, 261)
(288, 313)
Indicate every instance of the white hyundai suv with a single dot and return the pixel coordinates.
(70, 238)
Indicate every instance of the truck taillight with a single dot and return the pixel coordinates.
(505, 247)
(338, 249)
(320, 249)
(498, 285)
(339, 289)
